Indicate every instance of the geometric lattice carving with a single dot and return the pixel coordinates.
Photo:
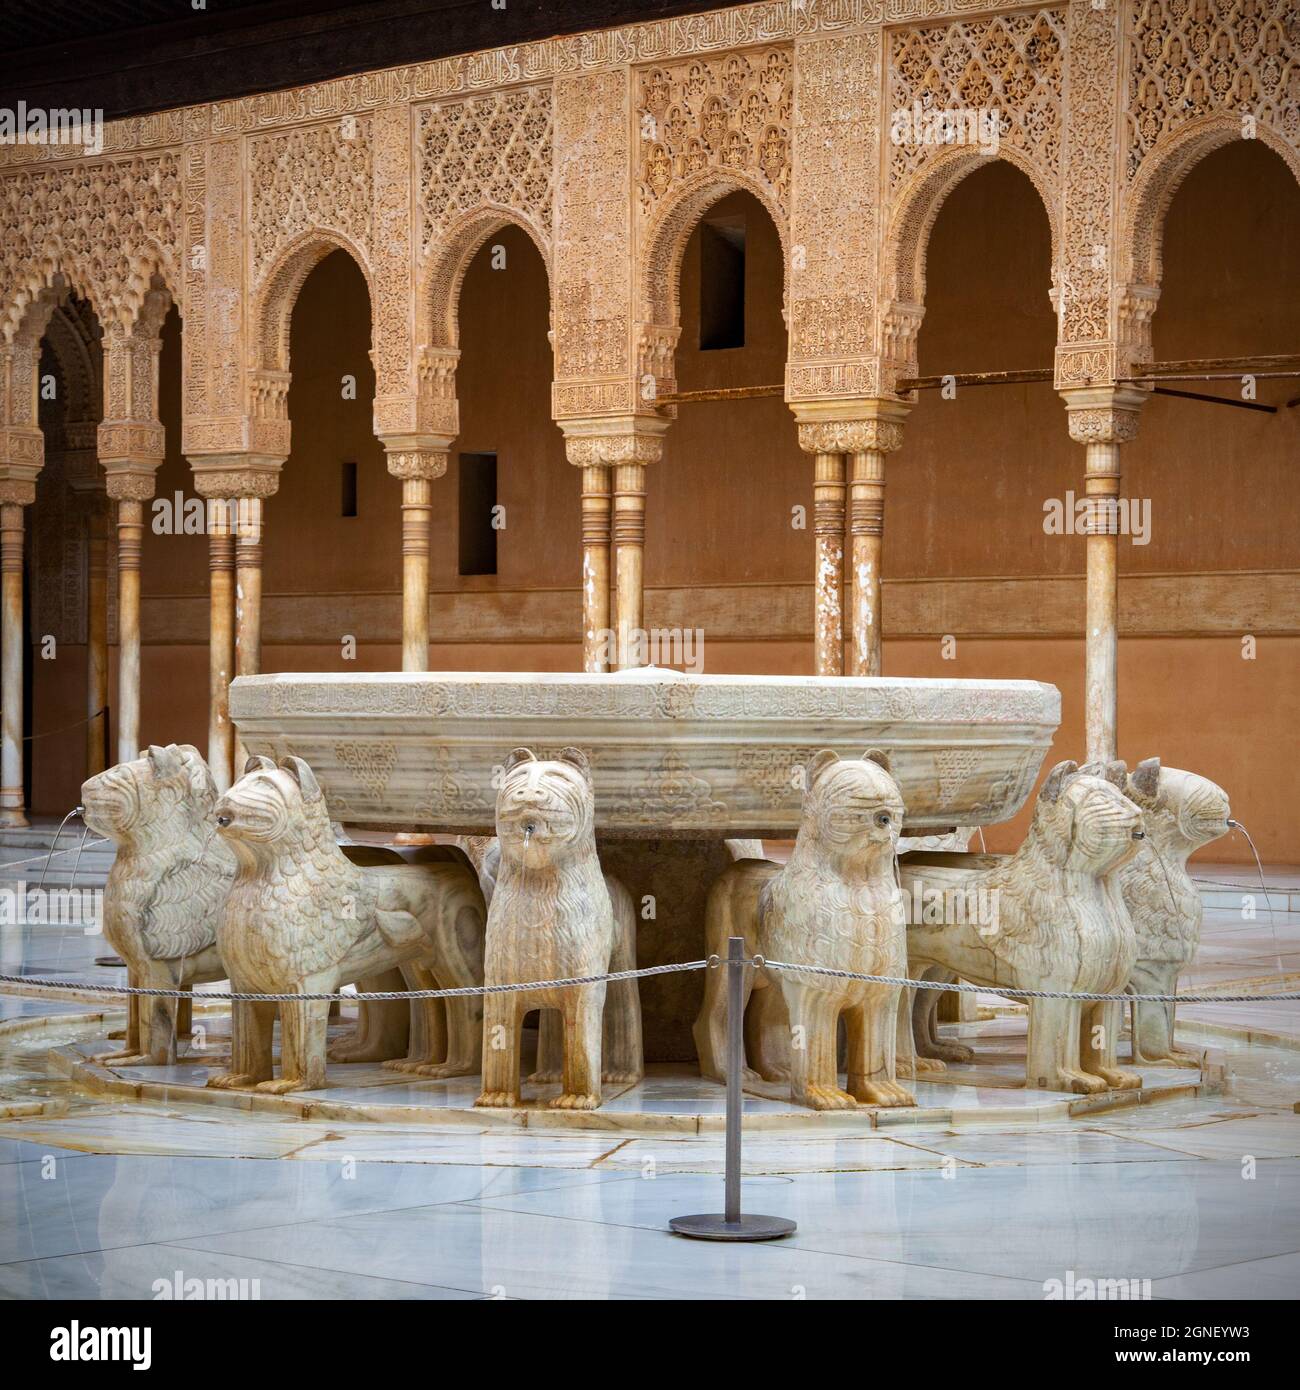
(489, 149)
(1012, 64)
(1193, 58)
(318, 177)
(729, 112)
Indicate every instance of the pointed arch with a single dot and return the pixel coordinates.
(664, 242)
(908, 236)
(1146, 204)
(273, 303)
(446, 263)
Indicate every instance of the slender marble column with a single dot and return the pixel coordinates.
(828, 529)
(130, 534)
(1102, 419)
(248, 597)
(874, 438)
(96, 633)
(417, 512)
(417, 467)
(221, 640)
(596, 537)
(628, 534)
(11, 666)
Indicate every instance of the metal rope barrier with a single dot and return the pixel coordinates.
(713, 962)
(759, 962)
(378, 995)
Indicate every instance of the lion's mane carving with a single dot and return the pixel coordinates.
(165, 891)
(1060, 924)
(836, 903)
(1182, 812)
(302, 918)
(553, 916)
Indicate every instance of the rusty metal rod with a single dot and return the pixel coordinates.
(1214, 400)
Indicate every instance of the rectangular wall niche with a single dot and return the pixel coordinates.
(478, 500)
(348, 489)
(722, 283)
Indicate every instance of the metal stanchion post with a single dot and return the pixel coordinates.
(733, 1224)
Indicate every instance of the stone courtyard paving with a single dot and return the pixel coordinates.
(106, 1195)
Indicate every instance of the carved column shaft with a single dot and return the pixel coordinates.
(613, 454)
(130, 535)
(866, 542)
(221, 642)
(248, 586)
(11, 665)
(596, 534)
(628, 538)
(1102, 419)
(417, 501)
(96, 635)
(417, 465)
(828, 531)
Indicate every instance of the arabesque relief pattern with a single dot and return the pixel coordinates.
(595, 142)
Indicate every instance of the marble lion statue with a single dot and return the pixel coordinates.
(302, 918)
(165, 891)
(555, 915)
(1059, 923)
(1181, 812)
(837, 904)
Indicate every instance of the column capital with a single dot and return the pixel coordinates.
(130, 484)
(1104, 414)
(417, 456)
(16, 492)
(850, 427)
(613, 441)
(236, 475)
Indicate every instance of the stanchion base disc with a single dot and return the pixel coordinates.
(715, 1226)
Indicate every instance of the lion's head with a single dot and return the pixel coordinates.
(164, 794)
(270, 807)
(1084, 821)
(1190, 810)
(545, 810)
(852, 809)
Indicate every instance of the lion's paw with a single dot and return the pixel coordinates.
(570, 1101)
(1120, 1080)
(545, 1078)
(621, 1078)
(232, 1081)
(881, 1093)
(827, 1098)
(123, 1059)
(281, 1085)
(1082, 1083)
(497, 1099)
(443, 1071)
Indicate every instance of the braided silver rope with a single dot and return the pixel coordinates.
(760, 963)
(713, 962)
(345, 998)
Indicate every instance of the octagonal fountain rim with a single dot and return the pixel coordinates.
(660, 676)
(672, 754)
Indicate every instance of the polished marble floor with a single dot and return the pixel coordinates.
(106, 1197)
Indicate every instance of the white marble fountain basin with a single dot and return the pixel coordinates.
(672, 754)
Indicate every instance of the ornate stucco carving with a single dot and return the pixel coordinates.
(606, 147)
